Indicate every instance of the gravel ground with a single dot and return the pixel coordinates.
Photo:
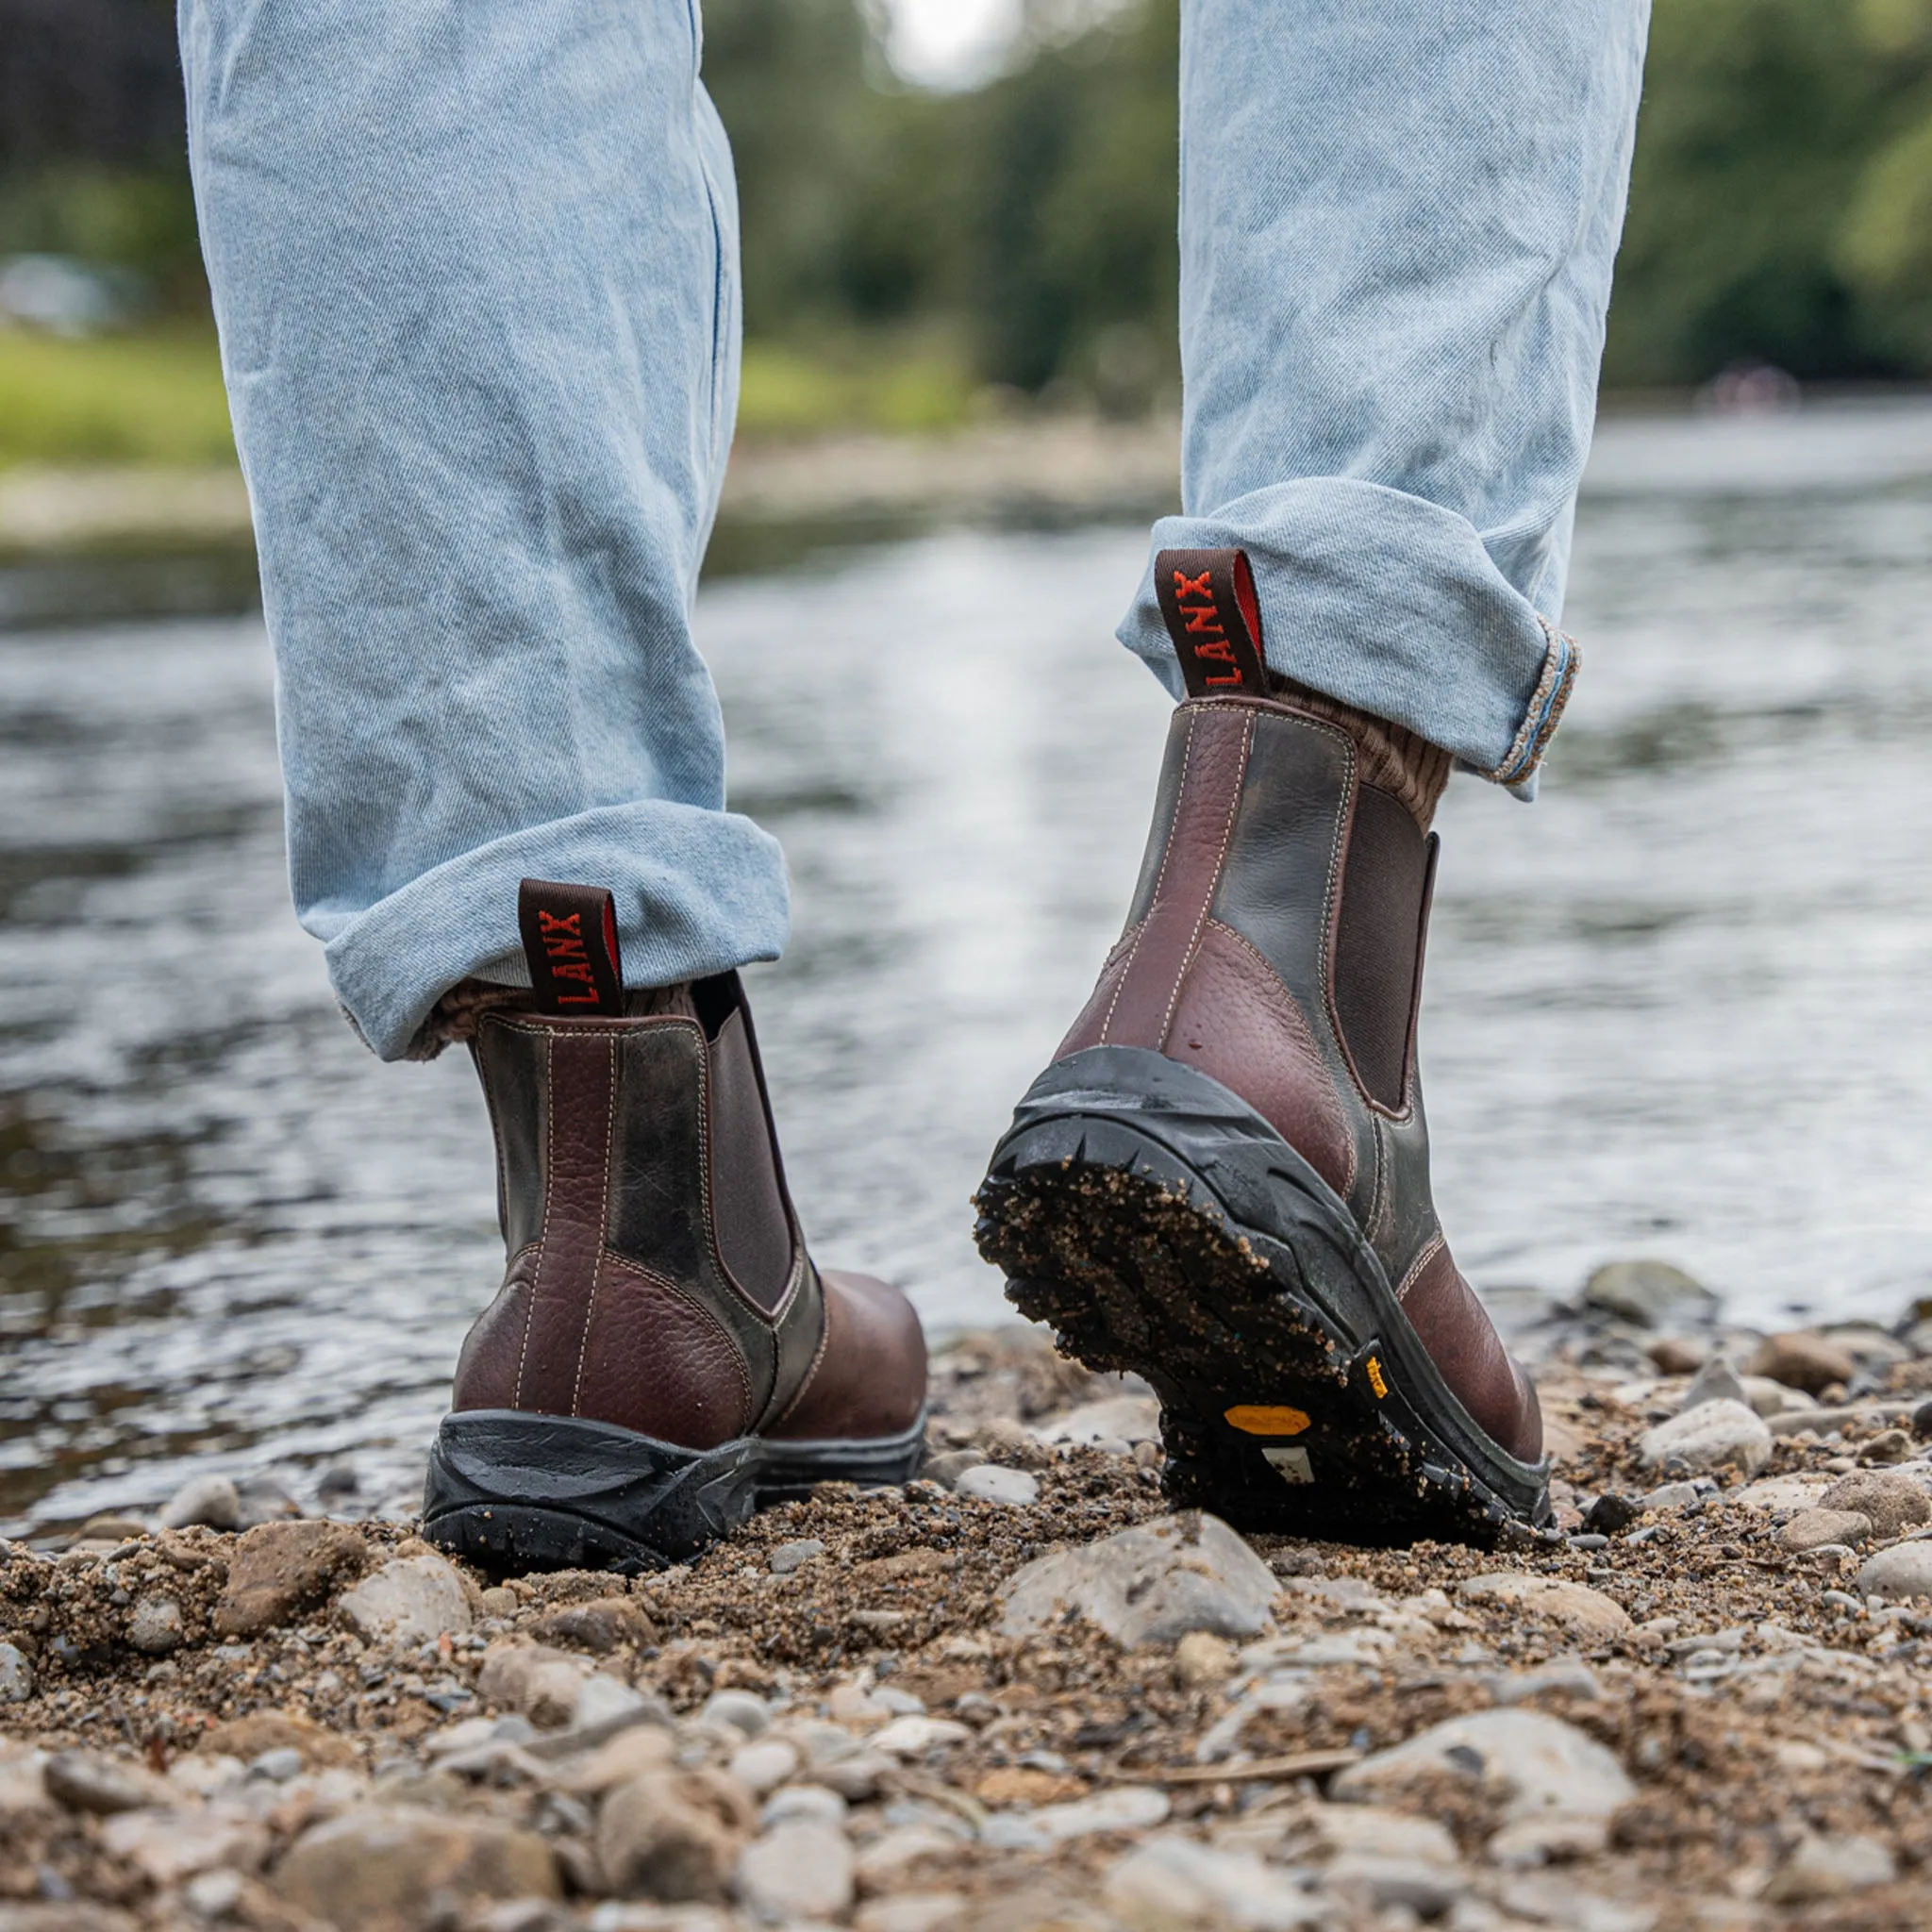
(1017, 1693)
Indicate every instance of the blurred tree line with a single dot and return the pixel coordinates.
(1781, 209)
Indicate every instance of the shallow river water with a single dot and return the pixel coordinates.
(1674, 1008)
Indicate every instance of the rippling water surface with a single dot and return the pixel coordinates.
(1674, 1008)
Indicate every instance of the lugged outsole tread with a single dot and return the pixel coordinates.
(1132, 1272)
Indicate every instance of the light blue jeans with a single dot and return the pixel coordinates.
(474, 265)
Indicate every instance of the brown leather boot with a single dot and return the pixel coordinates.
(662, 1358)
(1223, 1180)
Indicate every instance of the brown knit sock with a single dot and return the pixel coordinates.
(1392, 758)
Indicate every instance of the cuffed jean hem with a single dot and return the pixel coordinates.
(698, 892)
(1390, 604)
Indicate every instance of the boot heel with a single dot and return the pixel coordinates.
(1158, 1224)
(512, 1491)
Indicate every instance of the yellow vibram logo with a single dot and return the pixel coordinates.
(1259, 1418)
(1375, 1381)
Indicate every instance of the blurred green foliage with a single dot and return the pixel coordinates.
(907, 251)
(154, 396)
(1032, 220)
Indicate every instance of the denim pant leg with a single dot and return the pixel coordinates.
(475, 267)
(1397, 228)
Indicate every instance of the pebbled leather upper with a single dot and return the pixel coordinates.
(656, 1277)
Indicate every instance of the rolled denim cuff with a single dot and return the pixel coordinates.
(697, 893)
(1390, 604)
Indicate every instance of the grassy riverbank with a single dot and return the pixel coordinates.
(154, 398)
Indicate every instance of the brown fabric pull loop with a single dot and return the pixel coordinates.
(1207, 598)
(570, 944)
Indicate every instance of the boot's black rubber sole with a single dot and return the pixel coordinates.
(513, 1491)
(1158, 1223)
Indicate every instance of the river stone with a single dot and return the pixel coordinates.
(1716, 1381)
(87, 1781)
(16, 1675)
(1649, 1293)
(1870, 1347)
(889, 1860)
(1803, 1359)
(1125, 1807)
(744, 1712)
(1172, 1881)
(1829, 1867)
(1894, 1503)
(855, 1778)
(1116, 1419)
(1534, 1764)
(602, 1625)
(384, 1869)
(1384, 1879)
(211, 1500)
(800, 1870)
(674, 1836)
(1709, 1437)
(1333, 1829)
(1552, 1841)
(1770, 1398)
(787, 1556)
(169, 1846)
(154, 1627)
(991, 1482)
(1587, 1614)
(1903, 1571)
(816, 1802)
(949, 1465)
(1673, 1497)
(913, 1737)
(542, 1683)
(264, 1499)
(280, 1568)
(1148, 1585)
(632, 1753)
(410, 1600)
(1202, 1659)
(605, 1707)
(1773, 1492)
(1811, 1529)
(764, 1765)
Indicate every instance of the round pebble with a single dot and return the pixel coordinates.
(1903, 1571)
(1894, 1503)
(788, 1556)
(811, 1801)
(765, 1764)
(211, 1500)
(1812, 1529)
(991, 1482)
(16, 1675)
(799, 1869)
(741, 1710)
(154, 1627)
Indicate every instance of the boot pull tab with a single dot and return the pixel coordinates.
(1207, 598)
(569, 943)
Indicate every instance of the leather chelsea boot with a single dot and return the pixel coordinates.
(662, 1358)
(1223, 1182)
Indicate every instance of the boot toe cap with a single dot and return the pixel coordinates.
(869, 1376)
